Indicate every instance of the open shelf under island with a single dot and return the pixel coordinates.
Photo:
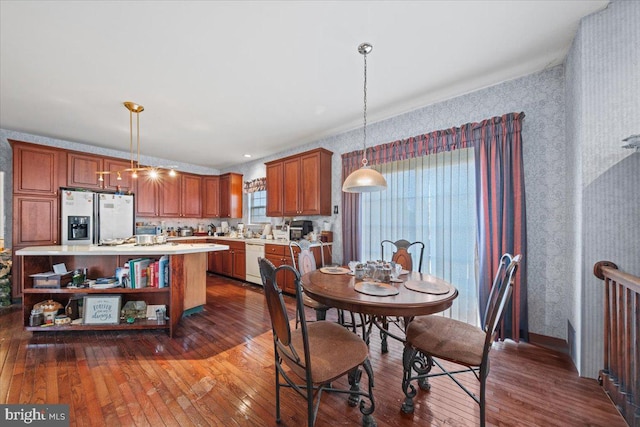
(186, 290)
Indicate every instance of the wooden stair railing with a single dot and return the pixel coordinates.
(620, 377)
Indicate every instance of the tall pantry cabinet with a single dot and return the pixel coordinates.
(38, 174)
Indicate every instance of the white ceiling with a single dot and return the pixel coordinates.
(220, 79)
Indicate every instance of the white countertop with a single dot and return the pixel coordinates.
(127, 249)
(254, 241)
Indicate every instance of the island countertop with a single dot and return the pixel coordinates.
(126, 249)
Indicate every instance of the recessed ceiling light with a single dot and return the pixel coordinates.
(247, 155)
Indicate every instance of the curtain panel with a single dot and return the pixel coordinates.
(258, 184)
(351, 227)
(501, 213)
(497, 143)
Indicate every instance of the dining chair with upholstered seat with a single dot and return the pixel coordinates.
(429, 338)
(311, 358)
(306, 262)
(402, 256)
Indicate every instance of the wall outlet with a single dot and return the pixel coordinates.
(335, 209)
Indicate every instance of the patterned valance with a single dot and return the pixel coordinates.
(258, 184)
(465, 136)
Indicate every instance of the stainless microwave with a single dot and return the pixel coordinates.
(299, 229)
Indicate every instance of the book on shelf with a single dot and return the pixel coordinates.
(163, 272)
(138, 270)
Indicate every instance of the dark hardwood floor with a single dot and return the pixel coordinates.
(218, 371)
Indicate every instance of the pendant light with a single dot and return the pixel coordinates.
(137, 109)
(134, 154)
(365, 179)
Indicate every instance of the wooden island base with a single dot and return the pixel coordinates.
(186, 292)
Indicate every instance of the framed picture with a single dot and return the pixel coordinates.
(101, 309)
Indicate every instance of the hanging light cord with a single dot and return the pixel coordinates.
(364, 129)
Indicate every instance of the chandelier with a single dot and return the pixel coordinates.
(365, 179)
(134, 155)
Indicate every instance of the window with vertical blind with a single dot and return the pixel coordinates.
(431, 199)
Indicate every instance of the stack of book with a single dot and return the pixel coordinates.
(149, 273)
(104, 283)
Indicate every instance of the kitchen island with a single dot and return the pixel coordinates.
(186, 291)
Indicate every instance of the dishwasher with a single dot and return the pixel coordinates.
(254, 251)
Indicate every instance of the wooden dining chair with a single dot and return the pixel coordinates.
(434, 337)
(307, 263)
(308, 359)
(402, 256)
(401, 253)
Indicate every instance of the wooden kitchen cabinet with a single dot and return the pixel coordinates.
(111, 181)
(38, 221)
(146, 197)
(38, 174)
(279, 255)
(37, 170)
(231, 195)
(211, 197)
(231, 263)
(214, 262)
(275, 186)
(291, 191)
(191, 196)
(306, 184)
(180, 197)
(169, 198)
(82, 172)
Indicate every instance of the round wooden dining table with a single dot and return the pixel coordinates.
(339, 291)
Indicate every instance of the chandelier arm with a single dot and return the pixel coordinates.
(131, 138)
(138, 135)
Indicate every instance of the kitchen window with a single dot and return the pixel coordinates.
(257, 202)
(431, 199)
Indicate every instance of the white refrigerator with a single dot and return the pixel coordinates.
(93, 217)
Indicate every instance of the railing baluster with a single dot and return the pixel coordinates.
(620, 376)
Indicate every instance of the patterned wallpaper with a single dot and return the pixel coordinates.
(603, 94)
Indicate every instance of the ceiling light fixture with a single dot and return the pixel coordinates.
(137, 109)
(365, 179)
(134, 154)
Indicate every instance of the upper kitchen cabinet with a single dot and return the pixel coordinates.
(117, 179)
(83, 172)
(231, 195)
(180, 196)
(191, 196)
(211, 197)
(305, 183)
(275, 184)
(37, 170)
(146, 197)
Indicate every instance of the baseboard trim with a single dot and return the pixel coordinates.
(557, 344)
